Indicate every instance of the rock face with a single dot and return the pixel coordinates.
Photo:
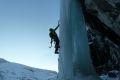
(108, 11)
(14, 71)
(99, 48)
(103, 19)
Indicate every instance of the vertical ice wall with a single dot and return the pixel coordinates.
(74, 59)
(65, 60)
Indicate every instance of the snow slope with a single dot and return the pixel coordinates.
(14, 71)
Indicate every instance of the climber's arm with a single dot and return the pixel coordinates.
(51, 43)
(51, 40)
(57, 26)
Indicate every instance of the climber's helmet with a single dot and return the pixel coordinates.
(51, 29)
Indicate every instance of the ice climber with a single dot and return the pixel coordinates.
(54, 37)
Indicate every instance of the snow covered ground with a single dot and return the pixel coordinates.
(14, 71)
(106, 77)
(111, 75)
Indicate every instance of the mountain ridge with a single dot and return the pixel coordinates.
(15, 71)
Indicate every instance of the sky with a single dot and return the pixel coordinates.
(24, 32)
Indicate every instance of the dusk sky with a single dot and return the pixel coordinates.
(24, 32)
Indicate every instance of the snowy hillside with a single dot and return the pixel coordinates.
(14, 71)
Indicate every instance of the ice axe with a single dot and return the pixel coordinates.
(51, 45)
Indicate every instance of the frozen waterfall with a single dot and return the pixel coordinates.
(74, 59)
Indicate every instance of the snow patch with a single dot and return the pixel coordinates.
(14, 71)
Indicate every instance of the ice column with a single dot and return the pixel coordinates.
(74, 59)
